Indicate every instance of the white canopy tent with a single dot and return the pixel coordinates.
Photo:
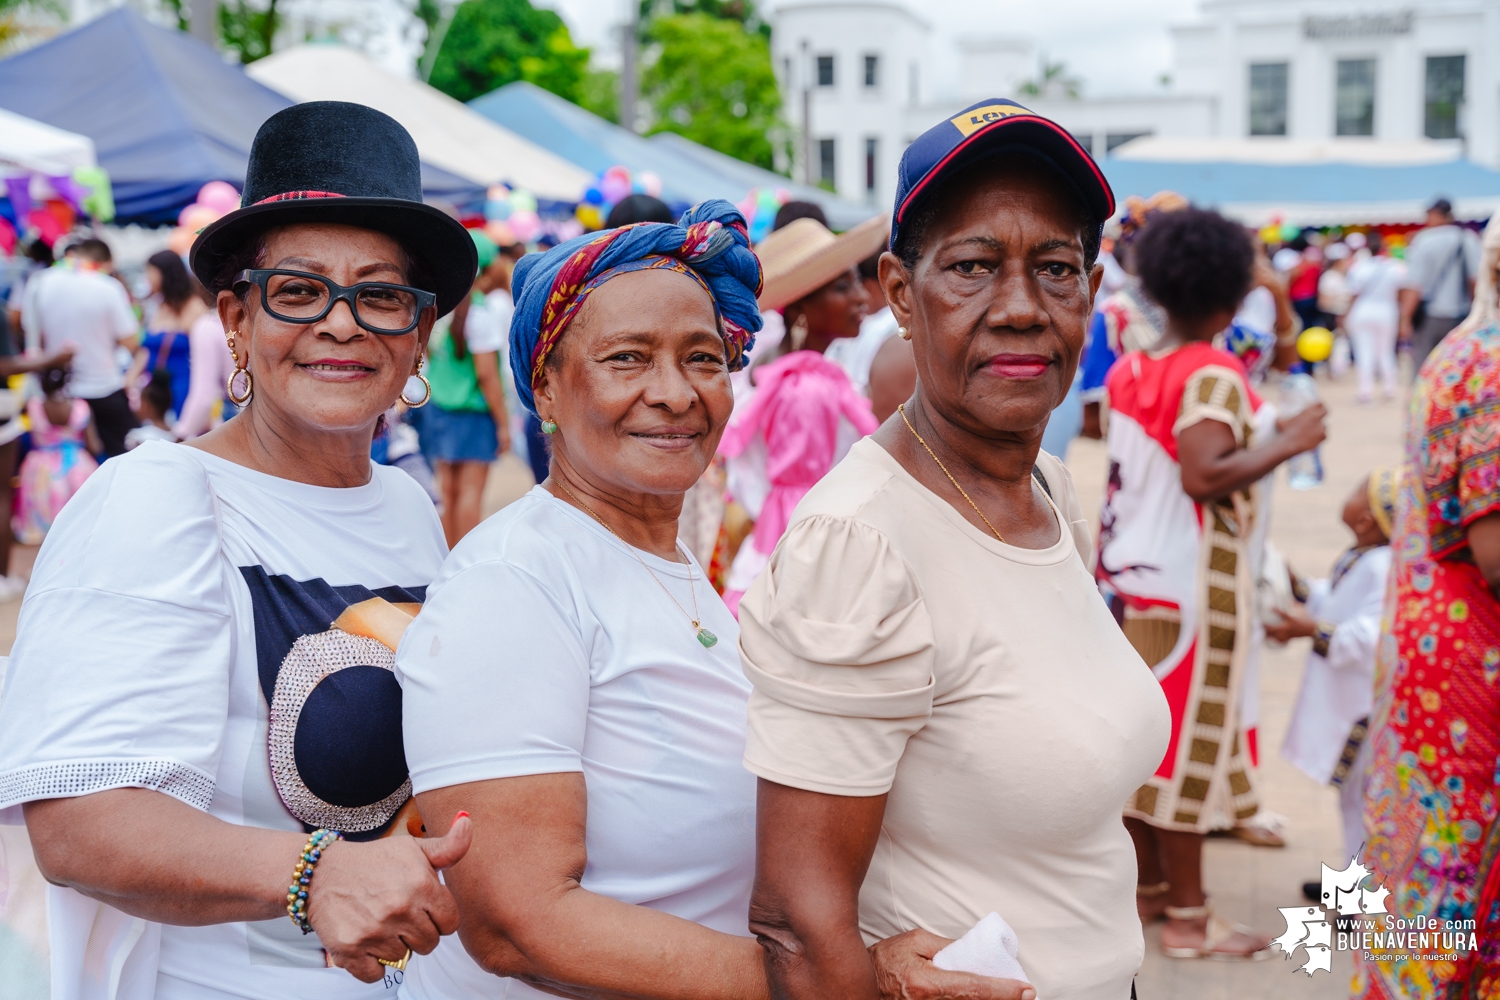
(448, 134)
(30, 147)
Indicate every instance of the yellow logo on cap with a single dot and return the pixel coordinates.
(972, 121)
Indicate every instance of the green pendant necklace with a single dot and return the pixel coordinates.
(707, 638)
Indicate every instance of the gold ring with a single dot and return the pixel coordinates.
(400, 964)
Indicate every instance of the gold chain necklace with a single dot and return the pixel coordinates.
(706, 637)
(902, 410)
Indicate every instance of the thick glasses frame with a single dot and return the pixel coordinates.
(261, 277)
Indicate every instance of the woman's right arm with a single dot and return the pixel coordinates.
(527, 916)
(1215, 466)
(147, 854)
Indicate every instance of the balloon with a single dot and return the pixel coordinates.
(500, 233)
(497, 211)
(1289, 233)
(615, 189)
(1270, 234)
(219, 196)
(650, 183)
(569, 228)
(594, 196)
(525, 225)
(1315, 344)
(180, 241)
(523, 201)
(497, 192)
(589, 216)
(195, 217)
(617, 171)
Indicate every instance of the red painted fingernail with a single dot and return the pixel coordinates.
(461, 815)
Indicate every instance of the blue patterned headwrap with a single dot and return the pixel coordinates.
(709, 244)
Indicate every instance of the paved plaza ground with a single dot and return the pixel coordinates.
(1247, 883)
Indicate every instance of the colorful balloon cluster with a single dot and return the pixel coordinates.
(759, 207)
(215, 200)
(609, 189)
(510, 216)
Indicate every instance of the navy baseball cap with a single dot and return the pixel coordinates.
(994, 126)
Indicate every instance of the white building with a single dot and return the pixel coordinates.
(855, 80)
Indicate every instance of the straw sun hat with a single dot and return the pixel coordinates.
(804, 255)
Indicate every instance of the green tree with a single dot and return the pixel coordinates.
(600, 93)
(743, 11)
(712, 82)
(494, 42)
(248, 28)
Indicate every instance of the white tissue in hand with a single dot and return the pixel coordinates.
(988, 949)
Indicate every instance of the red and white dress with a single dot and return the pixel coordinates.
(1178, 575)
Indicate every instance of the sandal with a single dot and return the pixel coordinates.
(1216, 932)
(1149, 911)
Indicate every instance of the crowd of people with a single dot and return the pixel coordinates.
(800, 671)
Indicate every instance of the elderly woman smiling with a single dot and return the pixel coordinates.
(573, 681)
(946, 719)
(200, 699)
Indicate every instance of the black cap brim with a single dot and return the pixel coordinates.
(436, 238)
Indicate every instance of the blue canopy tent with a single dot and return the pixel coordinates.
(689, 172)
(167, 114)
(1314, 194)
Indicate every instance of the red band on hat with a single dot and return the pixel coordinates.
(298, 195)
(912, 194)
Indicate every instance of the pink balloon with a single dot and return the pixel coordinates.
(219, 196)
(651, 184)
(525, 225)
(615, 189)
(195, 217)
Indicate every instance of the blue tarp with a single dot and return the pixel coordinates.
(1325, 184)
(167, 114)
(689, 173)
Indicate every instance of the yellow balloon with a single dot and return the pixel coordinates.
(1315, 344)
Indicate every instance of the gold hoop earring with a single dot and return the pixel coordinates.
(240, 400)
(426, 397)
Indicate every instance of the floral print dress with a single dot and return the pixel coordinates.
(1430, 810)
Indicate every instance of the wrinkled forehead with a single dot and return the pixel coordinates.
(1004, 190)
(330, 245)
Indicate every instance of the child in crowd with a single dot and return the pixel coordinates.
(156, 402)
(1326, 737)
(60, 459)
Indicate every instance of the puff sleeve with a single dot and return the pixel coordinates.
(838, 645)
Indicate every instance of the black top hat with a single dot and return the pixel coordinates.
(330, 161)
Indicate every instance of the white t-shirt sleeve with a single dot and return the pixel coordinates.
(122, 317)
(494, 680)
(484, 331)
(119, 676)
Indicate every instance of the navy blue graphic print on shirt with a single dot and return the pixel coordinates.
(324, 656)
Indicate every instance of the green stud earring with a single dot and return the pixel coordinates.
(549, 427)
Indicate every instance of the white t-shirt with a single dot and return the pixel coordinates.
(1258, 311)
(88, 311)
(176, 595)
(1376, 283)
(546, 647)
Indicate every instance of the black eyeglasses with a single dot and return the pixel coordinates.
(298, 297)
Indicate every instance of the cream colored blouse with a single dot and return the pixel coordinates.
(895, 648)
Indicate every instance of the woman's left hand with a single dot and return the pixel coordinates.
(904, 971)
(1294, 624)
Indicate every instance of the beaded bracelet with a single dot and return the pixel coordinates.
(296, 893)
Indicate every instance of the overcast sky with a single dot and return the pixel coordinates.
(1115, 46)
